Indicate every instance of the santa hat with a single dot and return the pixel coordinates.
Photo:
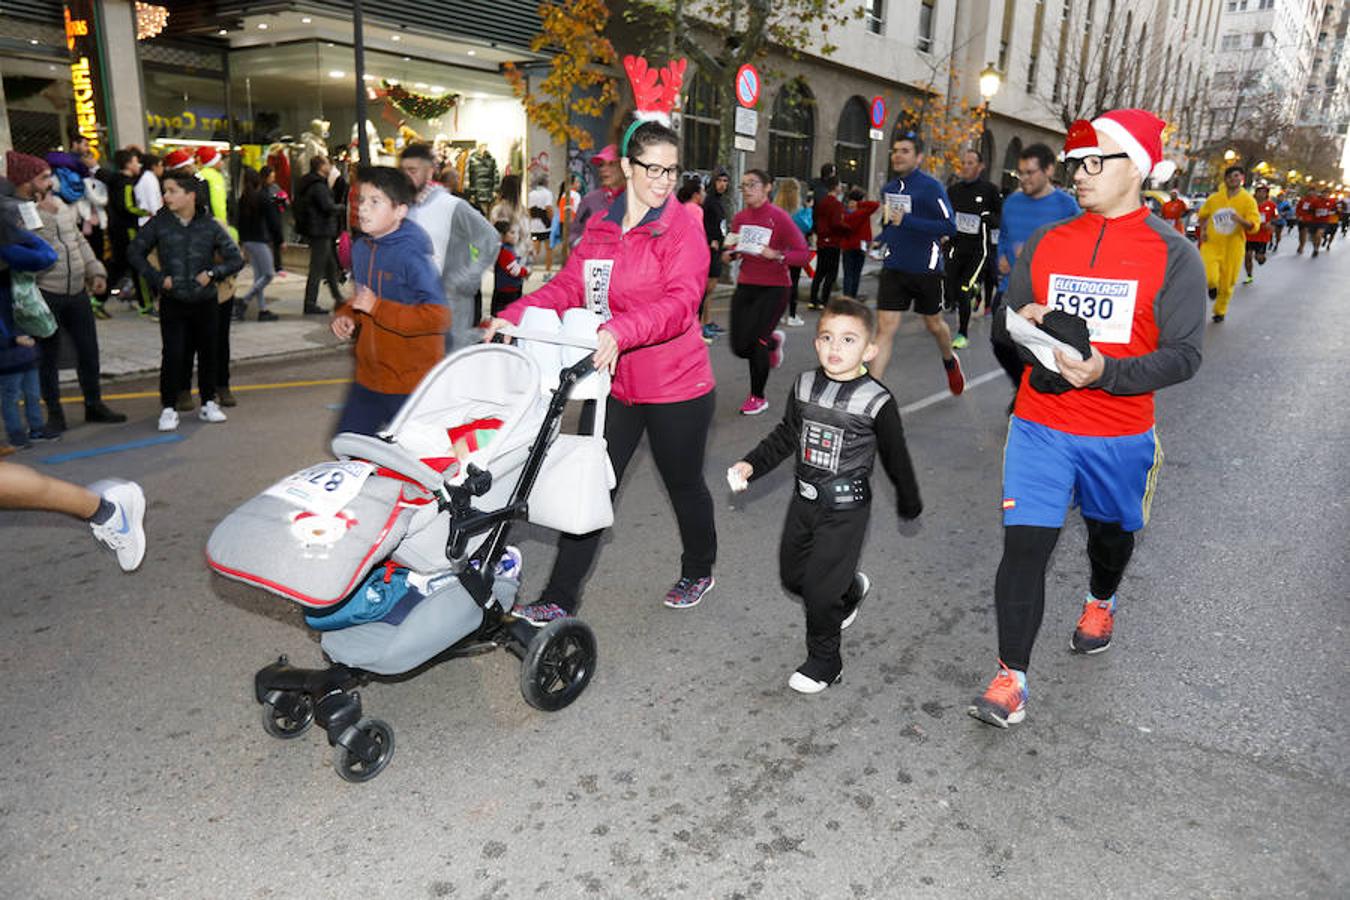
(177, 159)
(1137, 131)
(21, 168)
(208, 156)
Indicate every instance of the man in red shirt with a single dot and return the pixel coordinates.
(1121, 282)
(1175, 211)
(1258, 241)
(1305, 213)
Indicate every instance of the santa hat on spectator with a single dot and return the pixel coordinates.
(1137, 131)
(209, 156)
(21, 168)
(177, 159)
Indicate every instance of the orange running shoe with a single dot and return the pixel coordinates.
(1004, 702)
(1093, 634)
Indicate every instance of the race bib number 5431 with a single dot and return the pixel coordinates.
(1106, 304)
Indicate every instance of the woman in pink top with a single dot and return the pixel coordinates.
(767, 242)
(641, 264)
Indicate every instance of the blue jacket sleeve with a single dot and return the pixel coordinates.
(940, 225)
(29, 254)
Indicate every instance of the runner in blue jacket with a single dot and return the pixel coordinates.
(915, 216)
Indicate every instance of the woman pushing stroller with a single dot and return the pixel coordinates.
(642, 267)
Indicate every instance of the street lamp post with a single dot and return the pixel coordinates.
(990, 82)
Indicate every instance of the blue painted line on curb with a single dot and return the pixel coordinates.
(112, 448)
(333, 406)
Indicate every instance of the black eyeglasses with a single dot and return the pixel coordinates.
(670, 173)
(1092, 165)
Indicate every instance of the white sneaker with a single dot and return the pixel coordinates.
(795, 321)
(124, 532)
(864, 588)
(210, 412)
(805, 684)
(168, 419)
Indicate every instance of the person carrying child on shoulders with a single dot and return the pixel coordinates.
(838, 420)
(398, 314)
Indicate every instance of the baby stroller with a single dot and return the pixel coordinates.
(396, 548)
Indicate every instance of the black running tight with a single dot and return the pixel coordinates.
(1019, 587)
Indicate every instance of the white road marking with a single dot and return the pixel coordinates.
(944, 395)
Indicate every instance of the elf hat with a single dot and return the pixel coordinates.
(177, 159)
(207, 156)
(1137, 131)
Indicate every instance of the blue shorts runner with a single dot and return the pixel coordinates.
(1046, 471)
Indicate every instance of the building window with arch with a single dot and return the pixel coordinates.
(1008, 181)
(852, 145)
(701, 123)
(792, 131)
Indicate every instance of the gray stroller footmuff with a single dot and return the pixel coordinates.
(435, 505)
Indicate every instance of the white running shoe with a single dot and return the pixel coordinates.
(795, 321)
(210, 412)
(864, 588)
(168, 419)
(805, 684)
(124, 532)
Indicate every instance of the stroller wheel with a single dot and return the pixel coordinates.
(558, 664)
(287, 714)
(364, 750)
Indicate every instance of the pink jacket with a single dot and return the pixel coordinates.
(651, 280)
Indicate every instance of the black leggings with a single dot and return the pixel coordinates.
(965, 279)
(755, 309)
(183, 326)
(678, 434)
(1019, 587)
(796, 273)
(827, 270)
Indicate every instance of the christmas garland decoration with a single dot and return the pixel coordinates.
(419, 106)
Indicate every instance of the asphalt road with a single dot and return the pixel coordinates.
(1203, 756)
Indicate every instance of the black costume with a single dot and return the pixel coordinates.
(836, 429)
(970, 255)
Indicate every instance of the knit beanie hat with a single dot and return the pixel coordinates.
(21, 168)
(1137, 131)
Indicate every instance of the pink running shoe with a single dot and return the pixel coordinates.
(753, 405)
(776, 354)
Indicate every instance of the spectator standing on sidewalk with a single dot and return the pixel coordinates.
(463, 243)
(858, 214)
(542, 209)
(787, 196)
(189, 243)
(259, 231)
(715, 232)
(65, 286)
(830, 232)
(612, 184)
(124, 217)
(316, 218)
(209, 164)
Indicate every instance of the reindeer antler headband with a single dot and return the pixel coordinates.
(654, 90)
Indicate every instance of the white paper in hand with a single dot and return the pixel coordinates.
(735, 481)
(1025, 333)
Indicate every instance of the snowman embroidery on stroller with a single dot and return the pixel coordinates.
(396, 549)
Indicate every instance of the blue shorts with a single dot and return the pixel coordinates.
(1045, 472)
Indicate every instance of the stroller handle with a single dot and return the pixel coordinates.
(549, 337)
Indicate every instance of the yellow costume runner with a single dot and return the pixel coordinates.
(1225, 241)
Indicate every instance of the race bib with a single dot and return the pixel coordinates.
(1106, 304)
(967, 223)
(28, 214)
(1224, 221)
(754, 238)
(325, 489)
(899, 203)
(598, 273)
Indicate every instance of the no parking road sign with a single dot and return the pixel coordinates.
(747, 85)
(878, 112)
